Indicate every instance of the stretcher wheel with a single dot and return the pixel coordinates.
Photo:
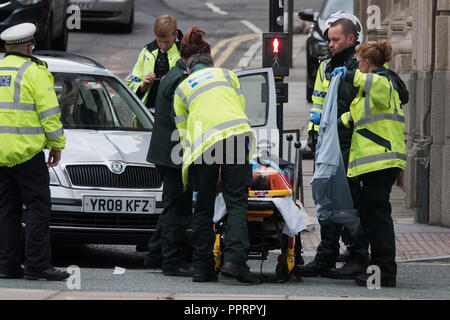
(282, 272)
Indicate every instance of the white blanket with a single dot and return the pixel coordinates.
(294, 221)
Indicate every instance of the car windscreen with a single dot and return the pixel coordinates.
(332, 6)
(98, 103)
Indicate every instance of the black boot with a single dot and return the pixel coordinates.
(350, 270)
(312, 269)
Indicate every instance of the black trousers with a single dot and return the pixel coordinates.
(376, 220)
(330, 232)
(26, 183)
(169, 242)
(236, 176)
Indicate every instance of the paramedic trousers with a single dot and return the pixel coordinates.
(26, 183)
(235, 180)
(169, 242)
(330, 232)
(376, 220)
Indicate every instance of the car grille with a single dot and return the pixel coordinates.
(104, 220)
(101, 177)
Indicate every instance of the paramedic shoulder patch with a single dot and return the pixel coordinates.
(5, 81)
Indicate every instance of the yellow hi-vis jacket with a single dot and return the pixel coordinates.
(320, 92)
(378, 140)
(146, 63)
(209, 107)
(29, 110)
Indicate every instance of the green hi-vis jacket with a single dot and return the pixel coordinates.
(209, 106)
(378, 141)
(146, 63)
(29, 110)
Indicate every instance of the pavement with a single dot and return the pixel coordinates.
(415, 242)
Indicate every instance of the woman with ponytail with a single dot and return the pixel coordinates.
(168, 246)
(378, 149)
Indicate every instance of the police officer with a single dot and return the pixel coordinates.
(177, 214)
(343, 33)
(210, 115)
(29, 122)
(378, 150)
(155, 60)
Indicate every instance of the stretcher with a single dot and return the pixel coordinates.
(274, 221)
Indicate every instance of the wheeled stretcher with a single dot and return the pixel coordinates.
(274, 221)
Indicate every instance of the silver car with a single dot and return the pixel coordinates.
(120, 12)
(104, 190)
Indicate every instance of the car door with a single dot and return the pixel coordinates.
(258, 86)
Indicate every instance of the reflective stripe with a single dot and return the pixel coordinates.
(206, 88)
(9, 69)
(208, 133)
(17, 106)
(367, 87)
(375, 158)
(181, 94)
(22, 130)
(181, 119)
(48, 113)
(317, 106)
(55, 134)
(227, 75)
(380, 117)
(18, 81)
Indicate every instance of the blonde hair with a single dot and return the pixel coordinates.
(378, 53)
(165, 26)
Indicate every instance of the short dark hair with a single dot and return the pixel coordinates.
(348, 27)
(202, 58)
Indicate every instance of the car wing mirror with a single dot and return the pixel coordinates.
(307, 15)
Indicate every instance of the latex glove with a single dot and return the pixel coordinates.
(338, 70)
(315, 116)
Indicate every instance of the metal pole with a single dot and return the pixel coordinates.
(290, 29)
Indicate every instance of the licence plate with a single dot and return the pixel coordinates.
(119, 205)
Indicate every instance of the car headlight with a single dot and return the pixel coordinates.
(54, 181)
(29, 2)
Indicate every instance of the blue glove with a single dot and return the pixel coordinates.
(338, 70)
(315, 117)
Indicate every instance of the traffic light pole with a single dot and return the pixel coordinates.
(276, 24)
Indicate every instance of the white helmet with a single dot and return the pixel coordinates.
(324, 25)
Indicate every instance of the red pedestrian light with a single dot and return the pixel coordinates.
(276, 45)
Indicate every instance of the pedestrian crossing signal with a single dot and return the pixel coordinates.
(276, 53)
(275, 45)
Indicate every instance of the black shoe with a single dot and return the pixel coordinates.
(361, 280)
(202, 276)
(344, 257)
(11, 273)
(51, 274)
(240, 272)
(180, 272)
(152, 263)
(351, 270)
(312, 269)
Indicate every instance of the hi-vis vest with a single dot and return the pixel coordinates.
(29, 110)
(320, 92)
(146, 63)
(378, 141)
(209, 107)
